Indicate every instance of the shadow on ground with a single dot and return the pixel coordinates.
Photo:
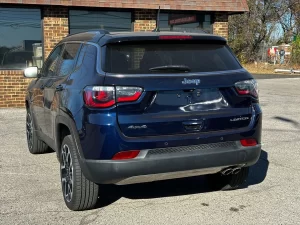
(287, 120)
(177, 187)
(258, 172)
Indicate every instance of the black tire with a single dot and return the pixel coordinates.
(35, 145)
(219, 181)
(84, 192)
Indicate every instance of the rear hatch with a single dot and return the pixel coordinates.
(187, 86)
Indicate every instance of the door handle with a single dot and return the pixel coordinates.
(59, 88)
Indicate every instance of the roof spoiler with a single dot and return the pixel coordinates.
(101, 31)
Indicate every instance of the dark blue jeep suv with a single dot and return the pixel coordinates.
(123, 108)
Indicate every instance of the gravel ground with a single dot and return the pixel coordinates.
(30, 189)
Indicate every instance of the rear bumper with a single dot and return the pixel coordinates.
(168, 165)
(99, 138)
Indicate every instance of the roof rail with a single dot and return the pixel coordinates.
(101, 31)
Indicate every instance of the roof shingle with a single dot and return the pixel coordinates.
(200, 5)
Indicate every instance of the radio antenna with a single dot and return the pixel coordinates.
(157, 21)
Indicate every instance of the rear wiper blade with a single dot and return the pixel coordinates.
(180, 68)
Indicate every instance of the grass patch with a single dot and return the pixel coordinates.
(266, 68)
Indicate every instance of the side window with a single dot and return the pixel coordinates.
(68, 59)
(50, 65)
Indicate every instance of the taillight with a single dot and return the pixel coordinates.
(128, 94)
(104, 96)
(247, 87)
(126, 155)
(175, 37)
(99, 97)
(248, 142)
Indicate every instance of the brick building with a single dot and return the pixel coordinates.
(29, 29)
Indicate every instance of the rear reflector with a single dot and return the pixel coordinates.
(126, 155)
(175, 37)
(248, 142)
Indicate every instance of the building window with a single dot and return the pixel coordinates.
(83, 20)
(189, 22)
(20, 38)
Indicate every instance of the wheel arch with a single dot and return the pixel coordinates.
(68, 122)
(62, 130)
(64, 126)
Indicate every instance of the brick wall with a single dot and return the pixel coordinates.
(12, 82)
(55, 26)
(144, 19)
(220, 26)
(201, 5)
(12, 88)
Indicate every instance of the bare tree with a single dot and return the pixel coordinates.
(248, 31)
(287, 12)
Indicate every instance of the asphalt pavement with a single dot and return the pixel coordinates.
(30, 191)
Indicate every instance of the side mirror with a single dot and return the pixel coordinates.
(31, 72)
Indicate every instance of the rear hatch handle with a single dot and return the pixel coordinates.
(194, 125)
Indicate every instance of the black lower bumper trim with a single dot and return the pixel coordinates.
(112, 172)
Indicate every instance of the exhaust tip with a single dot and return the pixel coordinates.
(227, 171)
(232, 170)
(236, 170)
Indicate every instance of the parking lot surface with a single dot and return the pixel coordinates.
(30, 191)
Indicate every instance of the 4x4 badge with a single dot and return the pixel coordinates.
(137, 127)
(191, 81)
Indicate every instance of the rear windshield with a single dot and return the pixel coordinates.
(142, 58)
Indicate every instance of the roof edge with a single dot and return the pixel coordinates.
(238, 7)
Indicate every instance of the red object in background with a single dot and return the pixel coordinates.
(181, 19)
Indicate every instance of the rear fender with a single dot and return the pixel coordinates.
(65, 119)
(70, 124)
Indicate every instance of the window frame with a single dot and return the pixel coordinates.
(41, 23)
(48, 58)
(75, 66)
(100, 10)
(97, 56)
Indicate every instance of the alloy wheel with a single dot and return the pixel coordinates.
(29, 131)
(67, 173)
